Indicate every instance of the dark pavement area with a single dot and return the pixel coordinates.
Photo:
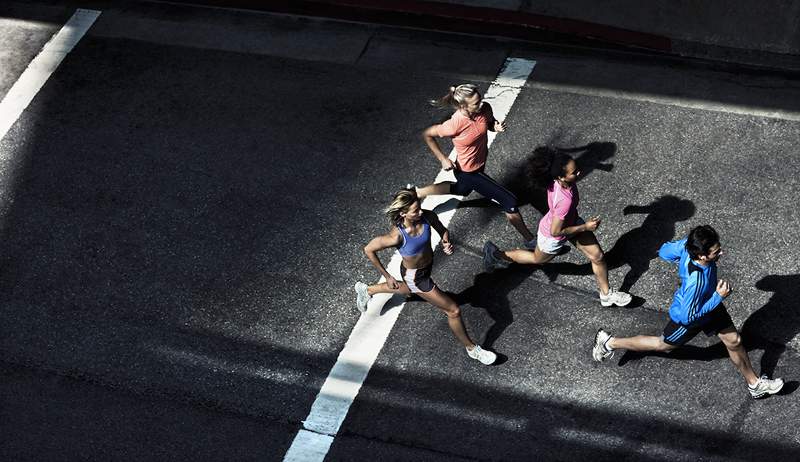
(549, 398)
(759, 34)
(55, 417)
(185, 202)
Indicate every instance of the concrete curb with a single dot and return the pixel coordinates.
(516, 25)
(453, 18)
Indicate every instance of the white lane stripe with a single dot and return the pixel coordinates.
(373, 327)
(39, 70)
(309, 446)
(740, 109)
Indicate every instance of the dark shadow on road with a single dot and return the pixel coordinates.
(489, 291)
(789, 387)
(522, 425)
(774, 325)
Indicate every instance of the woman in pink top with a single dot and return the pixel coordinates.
(558, 173)
(468, 129)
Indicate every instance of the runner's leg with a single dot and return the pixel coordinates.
(526, 257)
(518, 223)
(587, 243)
(442, 301)
(640, 343)
(733, 342)
(434, 190)
(383, 288)
(487, 187)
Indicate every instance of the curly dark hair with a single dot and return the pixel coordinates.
(546, 164)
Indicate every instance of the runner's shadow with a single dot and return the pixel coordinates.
(684, 353)
(789, 387)
(774, 325)
(639, 246)
(490, 292)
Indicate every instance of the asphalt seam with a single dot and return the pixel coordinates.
(403, 443)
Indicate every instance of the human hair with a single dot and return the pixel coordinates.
(456, 97)
(403, 200)
(700, 241)
(546, 164)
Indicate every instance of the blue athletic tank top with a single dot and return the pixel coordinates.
(415, 245)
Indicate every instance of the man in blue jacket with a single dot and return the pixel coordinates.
(697, 306)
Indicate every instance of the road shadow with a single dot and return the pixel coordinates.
(713, 352)
(774, 325)
(489, 291)
(524, 425)
(639, 246)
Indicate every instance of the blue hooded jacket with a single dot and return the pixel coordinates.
(697, 295)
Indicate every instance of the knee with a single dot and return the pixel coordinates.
(452, 311)
(597, 257)
(664, 347)
(731, 340)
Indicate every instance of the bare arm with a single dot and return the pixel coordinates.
(494, 124)
(379, 243)
(436, 224)
(429, 135)
(557, 227)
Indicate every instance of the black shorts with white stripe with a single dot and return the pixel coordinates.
(711, 324)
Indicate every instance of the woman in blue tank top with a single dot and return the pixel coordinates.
(411, 234)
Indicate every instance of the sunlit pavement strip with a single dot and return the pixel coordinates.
(670, 101)
(42, 66)
(373, 327)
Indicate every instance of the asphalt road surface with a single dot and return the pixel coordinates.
(185, 201)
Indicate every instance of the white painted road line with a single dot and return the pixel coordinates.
(39, 70)
(373, 327)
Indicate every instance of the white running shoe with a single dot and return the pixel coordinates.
(362, 296)
(615, 297)
(485, 356)
(490, 260)
(600, 351)
(765, 386)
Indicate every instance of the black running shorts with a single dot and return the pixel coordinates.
(711, 324)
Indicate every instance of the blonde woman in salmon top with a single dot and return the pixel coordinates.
(468, 128)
